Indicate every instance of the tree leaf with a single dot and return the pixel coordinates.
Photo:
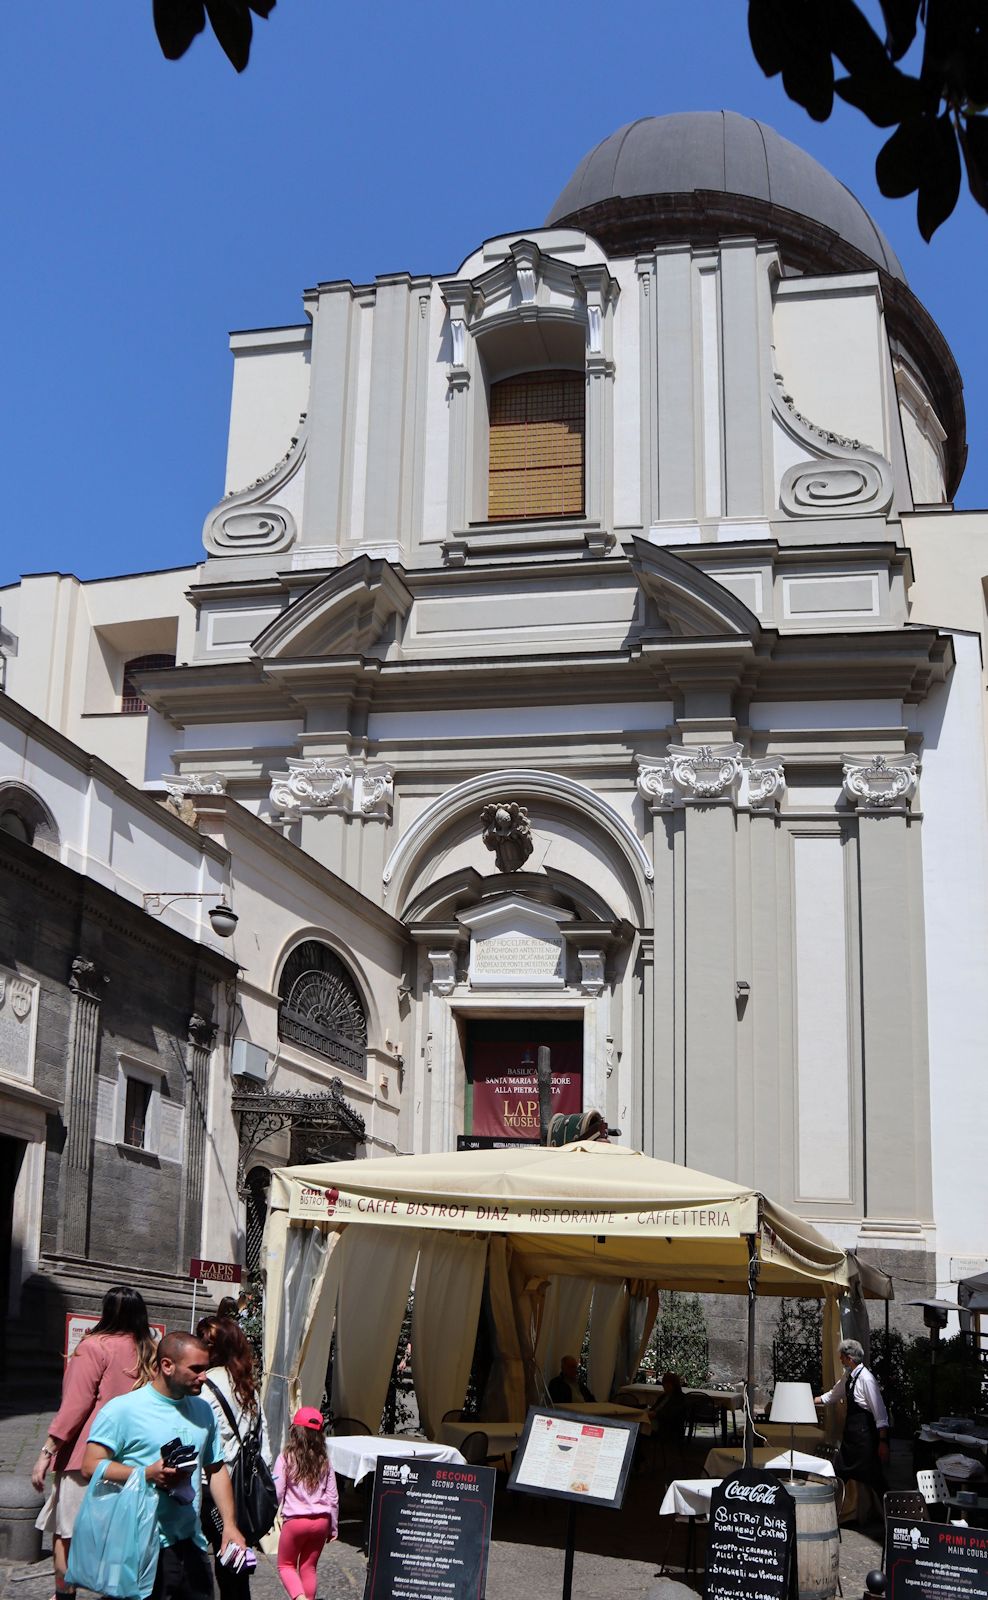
(941, 181)
(230, 20)
(853, 40)
(886, 96)
(176, 22)
(901, 160)
(766, 30)
(900, 25)
(974, 143)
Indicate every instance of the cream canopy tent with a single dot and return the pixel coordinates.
(343, 1241)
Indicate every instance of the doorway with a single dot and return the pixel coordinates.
(12, 1152)
(502, 1096)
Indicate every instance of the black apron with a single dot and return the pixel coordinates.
(858, 1454)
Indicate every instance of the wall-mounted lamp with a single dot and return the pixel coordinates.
(222, 917)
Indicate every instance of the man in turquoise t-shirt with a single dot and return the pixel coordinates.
(130, 1431)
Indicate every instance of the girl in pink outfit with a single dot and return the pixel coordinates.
(310, 1503)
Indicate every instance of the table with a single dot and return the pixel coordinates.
(720, 1462)
(971, 1514)
(804, 1437)
(609, 1408)
(688, 1497)
(502, 1437)
(952, 1431)
(355, 1455)
(642, 1394)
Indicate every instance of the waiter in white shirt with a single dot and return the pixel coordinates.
(864, 1450)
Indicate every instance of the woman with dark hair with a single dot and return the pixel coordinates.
(115, 1356)
(231, 1388)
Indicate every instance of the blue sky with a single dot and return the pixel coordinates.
(152, 206)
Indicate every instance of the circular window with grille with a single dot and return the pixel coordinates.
(321, 1009)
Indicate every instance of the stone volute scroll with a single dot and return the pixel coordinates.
(884, 783)
(251, 521)
(708, 773)
(766, 782)
(843, 475)
(508, 832)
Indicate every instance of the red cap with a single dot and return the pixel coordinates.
(308, 1417)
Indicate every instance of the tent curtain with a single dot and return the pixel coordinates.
(307, 1380)
(504, 1397)
(564, 1322)
(607, 1319)
(449, 1283)
(833, 1416)
(306, 1253)
(526, 1297)
(376, 1273)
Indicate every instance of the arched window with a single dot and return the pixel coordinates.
(130, 700)
(25, 817)
(321, 1007)
(536, 446)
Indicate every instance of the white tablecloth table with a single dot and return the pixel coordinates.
(802, 1463)
(502, 1437)
(609, 1408)
(354, 1455)
(688, 1497)
(642, 1394)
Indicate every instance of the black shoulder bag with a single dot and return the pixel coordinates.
(255, 1498)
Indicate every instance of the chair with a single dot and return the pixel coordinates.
(701, 1411)
(907, 1503)
(933, 1487)
(456, 1415)
(344, 1426)
(474, 1448)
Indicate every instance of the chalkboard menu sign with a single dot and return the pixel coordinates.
(430, 1531)
(751, 1549)
(935, 1561)
(575, 1456)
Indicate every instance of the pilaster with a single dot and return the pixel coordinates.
(745, 440)
(85, 985)
(199, 1047)
(334, 350)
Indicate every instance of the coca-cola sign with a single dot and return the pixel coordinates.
(751, 1552)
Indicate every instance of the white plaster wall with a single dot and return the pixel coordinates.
(495, 722)
(270, 391)
(436, 443)
(955, 888)
(829, 343)
(784, 715)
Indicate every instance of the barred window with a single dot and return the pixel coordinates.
(321, 1008)
(536, 446)
(131, 701)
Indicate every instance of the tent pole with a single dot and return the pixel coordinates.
(754, 1266)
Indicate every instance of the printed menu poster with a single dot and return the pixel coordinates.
(430, 1531)
(935, 1560)
(574, 1457)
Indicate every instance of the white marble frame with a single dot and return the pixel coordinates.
(444, 1054)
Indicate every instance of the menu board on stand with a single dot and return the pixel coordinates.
(573, 1456)
(935, 1561)
(430, 1531)
(751, 1547)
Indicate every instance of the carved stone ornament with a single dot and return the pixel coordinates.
(21, 998)
(179, 785)
(882, 783)
(654, 782)
(313, 784)
(706, 771)
(249, 521)
(843, 475)
(508, 832)
(376, 792)
(202, 1033)
(766, 782)
(591, 970)
(443, 970)
(85, 979)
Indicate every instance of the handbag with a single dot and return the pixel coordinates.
(255, 1498)
(114, 1548)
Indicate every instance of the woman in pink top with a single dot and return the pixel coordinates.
(111, 1359)
(310, 1504)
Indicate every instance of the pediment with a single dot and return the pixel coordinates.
(346, 614)
(691, 603)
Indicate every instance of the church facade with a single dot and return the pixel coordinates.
(598, 614)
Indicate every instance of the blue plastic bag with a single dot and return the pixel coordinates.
(115, 1544)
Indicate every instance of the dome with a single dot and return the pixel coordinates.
(703, 172)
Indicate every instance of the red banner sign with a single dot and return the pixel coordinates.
(215, 1271)
(506, 1089)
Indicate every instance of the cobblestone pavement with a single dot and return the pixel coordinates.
(617, 1554)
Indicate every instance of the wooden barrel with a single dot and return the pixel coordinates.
(817, 1546)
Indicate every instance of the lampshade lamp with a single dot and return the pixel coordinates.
(792, 1403)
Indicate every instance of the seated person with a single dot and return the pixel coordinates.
(668, 1414)
(567, 1387)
